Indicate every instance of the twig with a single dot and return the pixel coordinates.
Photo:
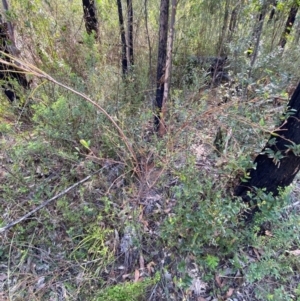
(45, 203)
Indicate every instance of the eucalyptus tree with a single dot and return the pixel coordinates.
(161, 63)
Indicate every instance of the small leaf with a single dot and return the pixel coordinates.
(85, 144)
(261, 122)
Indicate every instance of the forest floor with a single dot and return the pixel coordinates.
(116, 237)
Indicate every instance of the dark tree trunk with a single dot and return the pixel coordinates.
(130, 31)
(277, 164)
(289, 24)
(273, 10)
(161, 60)
(123, 39)
(9, 75)
(90, 17)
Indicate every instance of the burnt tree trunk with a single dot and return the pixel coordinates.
(279, 161)
(90, 17)
(289, 24)
(161, 61)
(10, 75)
(273, 11)
(130, 32)
(123, 38)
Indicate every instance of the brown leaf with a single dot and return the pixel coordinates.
(295, 252)
(256, 253)
(149, 267)
(229, 292)
(125, 276)
(268, 233)
(219, 281)
(142, 262)
(136, 275)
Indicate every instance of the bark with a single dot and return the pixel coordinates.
(123, 39)
(233, 21)
(90, 17)
(222, 38)
(10, 74)
(11, 32)
(273, 11)
(168, 69)
(289, 24)
(130, 32)
(257, 34)
(161, 60)
(149, 44)
(271, 172)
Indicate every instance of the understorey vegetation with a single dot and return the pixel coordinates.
(149, 150)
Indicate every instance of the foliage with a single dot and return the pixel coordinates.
(177, 197)
(127, 291)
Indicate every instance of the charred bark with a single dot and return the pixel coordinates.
(10, 75)
(90, 17)
(123, 39)
(161, 60)
(289, 24)
(273, 11)
(130, 31)
(279, 161)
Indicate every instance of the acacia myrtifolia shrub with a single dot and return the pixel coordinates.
(203, 215)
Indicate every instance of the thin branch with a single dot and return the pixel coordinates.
(45, 203)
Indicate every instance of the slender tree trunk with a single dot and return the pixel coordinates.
(130, 32)
(289, 24)
(90, 17)
(222, 38)
(168, 68)
(233, 21)
(123, 39)
(149, 44)
(273, 10)
(161, 60)
(257, 34)
(279, 162)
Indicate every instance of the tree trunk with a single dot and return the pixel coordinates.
(90, 17)
(130, 32)
(161, 60)
(168, 69)
(257, 34)
(9, 74)
(233, 21)
(222, 38)
(289, 24)
(123, 39)
(279, 161)
(273, 10)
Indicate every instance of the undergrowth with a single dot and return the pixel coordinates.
(157, 220)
